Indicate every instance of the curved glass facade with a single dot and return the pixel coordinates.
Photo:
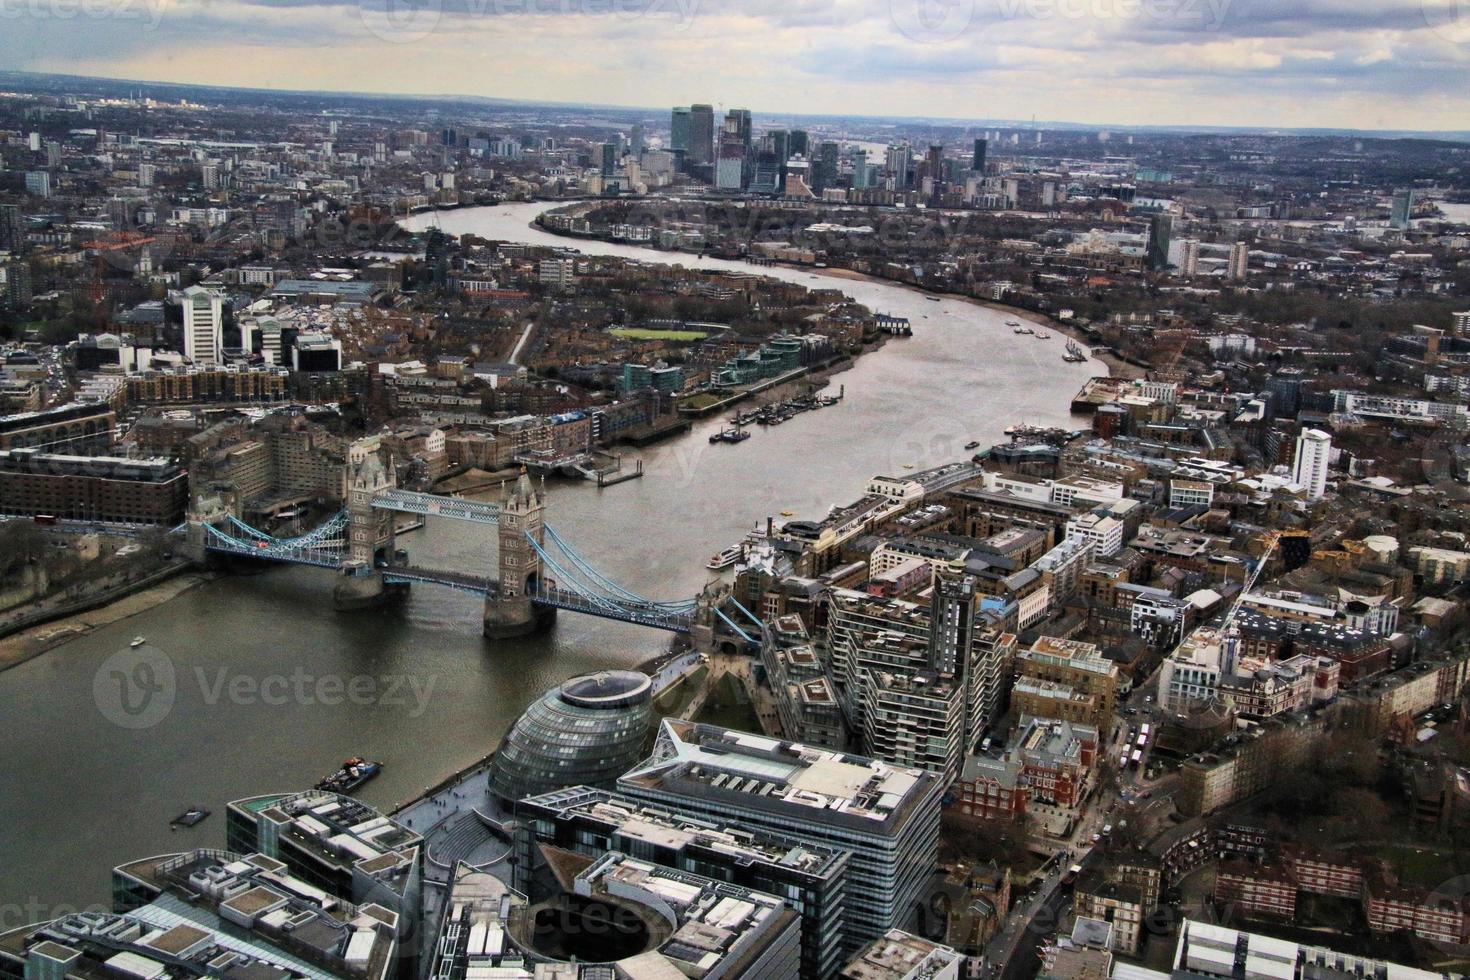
(587, 732)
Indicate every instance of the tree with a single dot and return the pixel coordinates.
(21, 543)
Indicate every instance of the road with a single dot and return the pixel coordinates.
(515, 354)
(1014, 952)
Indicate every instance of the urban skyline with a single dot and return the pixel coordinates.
(1310, 63)
(452, 538)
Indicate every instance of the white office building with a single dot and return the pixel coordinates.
(1105, 533)
(886, 816)
(204, 325)
(1313, 450)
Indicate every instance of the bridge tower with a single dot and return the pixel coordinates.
(368, 530)
(509, 611)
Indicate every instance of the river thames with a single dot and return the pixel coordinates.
(267, 689)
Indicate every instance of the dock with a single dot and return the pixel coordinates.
(605, 479)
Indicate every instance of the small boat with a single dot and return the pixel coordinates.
(354, 772)
(908, 466)
(190, 817)
(138, 641)
(1043, 336)
(932, 299)
(972, 445)
(726, 558)
(1013, 323)
(787, 513)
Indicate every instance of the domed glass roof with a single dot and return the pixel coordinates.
(586, 732)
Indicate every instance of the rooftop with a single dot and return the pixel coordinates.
(634, 820)
(799, 781)
(900, 956)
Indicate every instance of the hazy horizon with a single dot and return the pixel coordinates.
(1397, 65)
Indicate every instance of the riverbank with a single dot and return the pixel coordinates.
(33, 641)
(1116, 366)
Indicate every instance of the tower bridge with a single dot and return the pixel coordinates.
(538, 574)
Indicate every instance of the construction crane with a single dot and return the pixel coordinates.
(1273, 538)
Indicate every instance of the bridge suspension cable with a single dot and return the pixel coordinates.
(331, 529)
(591, 584)
(325, 552)
(603, 582)
(568, 582)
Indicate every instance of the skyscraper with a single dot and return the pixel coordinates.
(12, 235)
(897, 161)
(679, 129)
(778, 144)
(798, 143)
(934, 162)
(1160, 229)
(204, 325)
(731, 165)
(1313, 447)
(737, 123)
(701, 134)
(609, 159)
(859, 158)
(977, 158)
(635, 140)
(436, 257)
(824, 173)
(1401, 208)
(934, 172)
(1240, 260)
(1189, 261)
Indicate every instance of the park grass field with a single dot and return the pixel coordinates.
(639, 333)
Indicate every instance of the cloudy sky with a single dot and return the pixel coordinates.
(1368, 64)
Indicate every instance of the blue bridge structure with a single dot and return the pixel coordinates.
(540, 572)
